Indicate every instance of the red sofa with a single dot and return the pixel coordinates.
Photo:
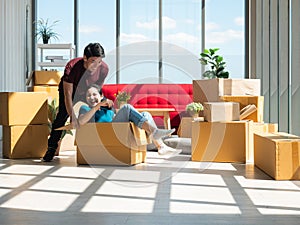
(175, 96)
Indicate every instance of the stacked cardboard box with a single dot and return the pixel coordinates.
(24, 116)
(47, 81)
(120, 144)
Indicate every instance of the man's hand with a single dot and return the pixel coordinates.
(110, 103)
(74, 122)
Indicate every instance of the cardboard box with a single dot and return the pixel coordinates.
(258, 101)
(47, 77)
(52, 92)
(278, 155)
(185, 127)
(20, 142)
(220, 141)
(111, 144)
(209, 90)
(23, 108)
(221, 111)
(257, 128)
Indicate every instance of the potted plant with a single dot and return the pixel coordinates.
(52, 112)
(122, 98)
(45, 30)
(216, 63)
(194, 108)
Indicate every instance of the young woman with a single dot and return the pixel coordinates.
(98, 110)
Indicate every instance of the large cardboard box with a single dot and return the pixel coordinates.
(278, 155)
(111, 144)
(209, 90)
(258, 101)
(23, 108)
(220, 141)
(221, 111)
(52, 92)
(47, 77)
(257, 128)
(20, 142)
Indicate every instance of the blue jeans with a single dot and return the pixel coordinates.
(129, 114)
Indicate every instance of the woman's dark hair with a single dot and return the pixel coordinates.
(94, 50)
(99, 89)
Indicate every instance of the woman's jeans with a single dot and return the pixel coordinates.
(129, 113)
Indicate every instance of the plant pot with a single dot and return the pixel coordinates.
(45, 40)
(193, 114)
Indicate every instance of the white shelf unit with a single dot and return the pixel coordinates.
(41, 48)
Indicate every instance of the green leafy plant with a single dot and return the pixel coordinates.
(216, 63)
(123, 96)
(52, 112)
(194, 108)
(45, 30)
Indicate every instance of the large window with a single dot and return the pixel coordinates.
(151, 41)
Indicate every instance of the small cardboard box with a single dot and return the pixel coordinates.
(47, 77)
(258, 101)
(23, 108)
(20, 142)
(278, 155)
(220, 141)
(221, 111)
(52, 92)
(185, 127)
(209, 90)
(111, 144)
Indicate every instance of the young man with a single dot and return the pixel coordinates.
(79, 73)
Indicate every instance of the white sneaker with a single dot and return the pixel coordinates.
(159, 133)
(166, 150)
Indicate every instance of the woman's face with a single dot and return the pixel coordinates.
(93, 97)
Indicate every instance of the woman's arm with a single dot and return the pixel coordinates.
(85, 118)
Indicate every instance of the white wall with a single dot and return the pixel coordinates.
(15, 49)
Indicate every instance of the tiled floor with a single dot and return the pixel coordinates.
(162, 191)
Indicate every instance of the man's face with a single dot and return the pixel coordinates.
(93, 63)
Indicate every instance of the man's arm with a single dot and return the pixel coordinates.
(68, 90)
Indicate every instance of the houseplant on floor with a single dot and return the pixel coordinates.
(45, 30)
(216, 63)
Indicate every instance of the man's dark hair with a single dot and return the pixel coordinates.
(94, 50)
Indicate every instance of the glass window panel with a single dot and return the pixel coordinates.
(224, 25)
(181, 23)
(64, 14)
(138, 41)
(97, 23)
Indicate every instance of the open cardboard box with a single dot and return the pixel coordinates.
(110, 143)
